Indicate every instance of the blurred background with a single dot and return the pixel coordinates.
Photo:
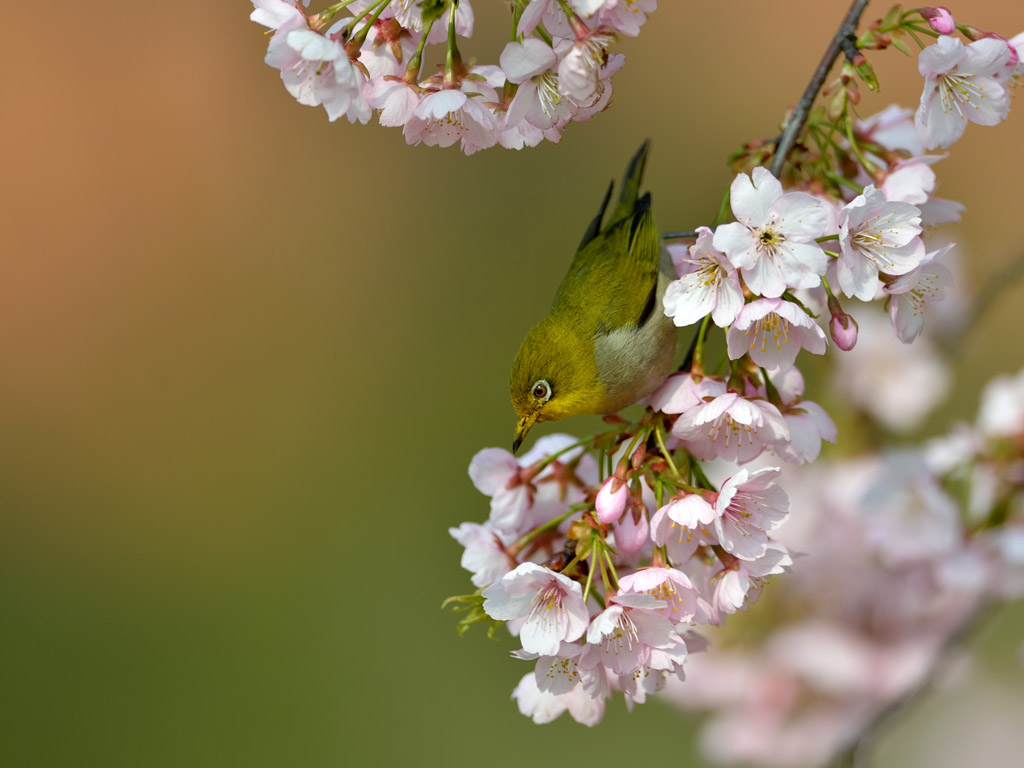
(247, 356)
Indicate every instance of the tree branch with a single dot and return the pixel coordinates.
(846, 31)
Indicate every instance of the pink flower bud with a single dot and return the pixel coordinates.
(611, 500)
(632, 532)
(941, 19)
(844, 331)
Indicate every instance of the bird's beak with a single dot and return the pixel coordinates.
(522, 428)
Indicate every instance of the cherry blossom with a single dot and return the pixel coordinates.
(961, 85)
(621, 637)
(580, 70)
(876, 235)
(532, 65)
(749, 505)
(550, 603)
(909, 294)
(707, 283)
(485, 555)
(772, 332)
(317, 71)
(670, 586)
(451, 115)
(545, 707)
(772, 241)
(808, 422)
(729, 426)
(738, 583)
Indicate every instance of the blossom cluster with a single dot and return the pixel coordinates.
(360, 56)
(902, 551)
(610, 557)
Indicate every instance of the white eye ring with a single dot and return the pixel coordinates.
(541, 391)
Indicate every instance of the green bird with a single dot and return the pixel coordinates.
(607, 342)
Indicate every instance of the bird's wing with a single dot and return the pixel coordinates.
(612, 282)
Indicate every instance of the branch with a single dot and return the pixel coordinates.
(853, 755)
(846, 31)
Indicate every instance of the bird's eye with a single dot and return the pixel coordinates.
(541, 391)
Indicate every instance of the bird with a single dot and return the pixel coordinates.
(606, 343)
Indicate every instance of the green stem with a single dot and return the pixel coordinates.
(360, 37)
(453, 60)
(667, 454)
(412, 72)
(698, 353)
(724, 209)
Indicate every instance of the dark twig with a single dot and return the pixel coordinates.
(795, 124)
(677, 235)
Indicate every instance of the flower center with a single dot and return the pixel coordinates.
(957, 91)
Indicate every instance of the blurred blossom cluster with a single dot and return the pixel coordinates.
(360, 56)
(900, 552)
(612, 557)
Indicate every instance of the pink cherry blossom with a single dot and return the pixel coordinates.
(532, 65)
(621, 637)
(388, 49)
(625, 16)
(550, 604)
(909, 294)
(679, 393)
(580, 70)
(496, 473)
(485, 555)
(961, 85)
(452, 115)
(395, 99)
(545, 707)
(772, 241)
(729, 426)
(668, 585)
(876, 235)
(278, 14)
(410, 15)
(748, 506)
(317, 71)
(682, 525)
(739, 583)
(772, 332)
(807, 421)
(707, 284)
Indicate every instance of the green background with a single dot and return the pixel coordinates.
(247, 356)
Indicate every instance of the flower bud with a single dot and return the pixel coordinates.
(844, 331)
(940, 19)
(611, 500)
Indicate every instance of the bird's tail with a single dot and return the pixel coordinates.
(630, 188)
(628, 196)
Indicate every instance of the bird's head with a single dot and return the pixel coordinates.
(554, 376)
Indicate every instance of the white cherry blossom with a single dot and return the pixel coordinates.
(707, 283)
(876, 235)
(772, 240)
(962, 84)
